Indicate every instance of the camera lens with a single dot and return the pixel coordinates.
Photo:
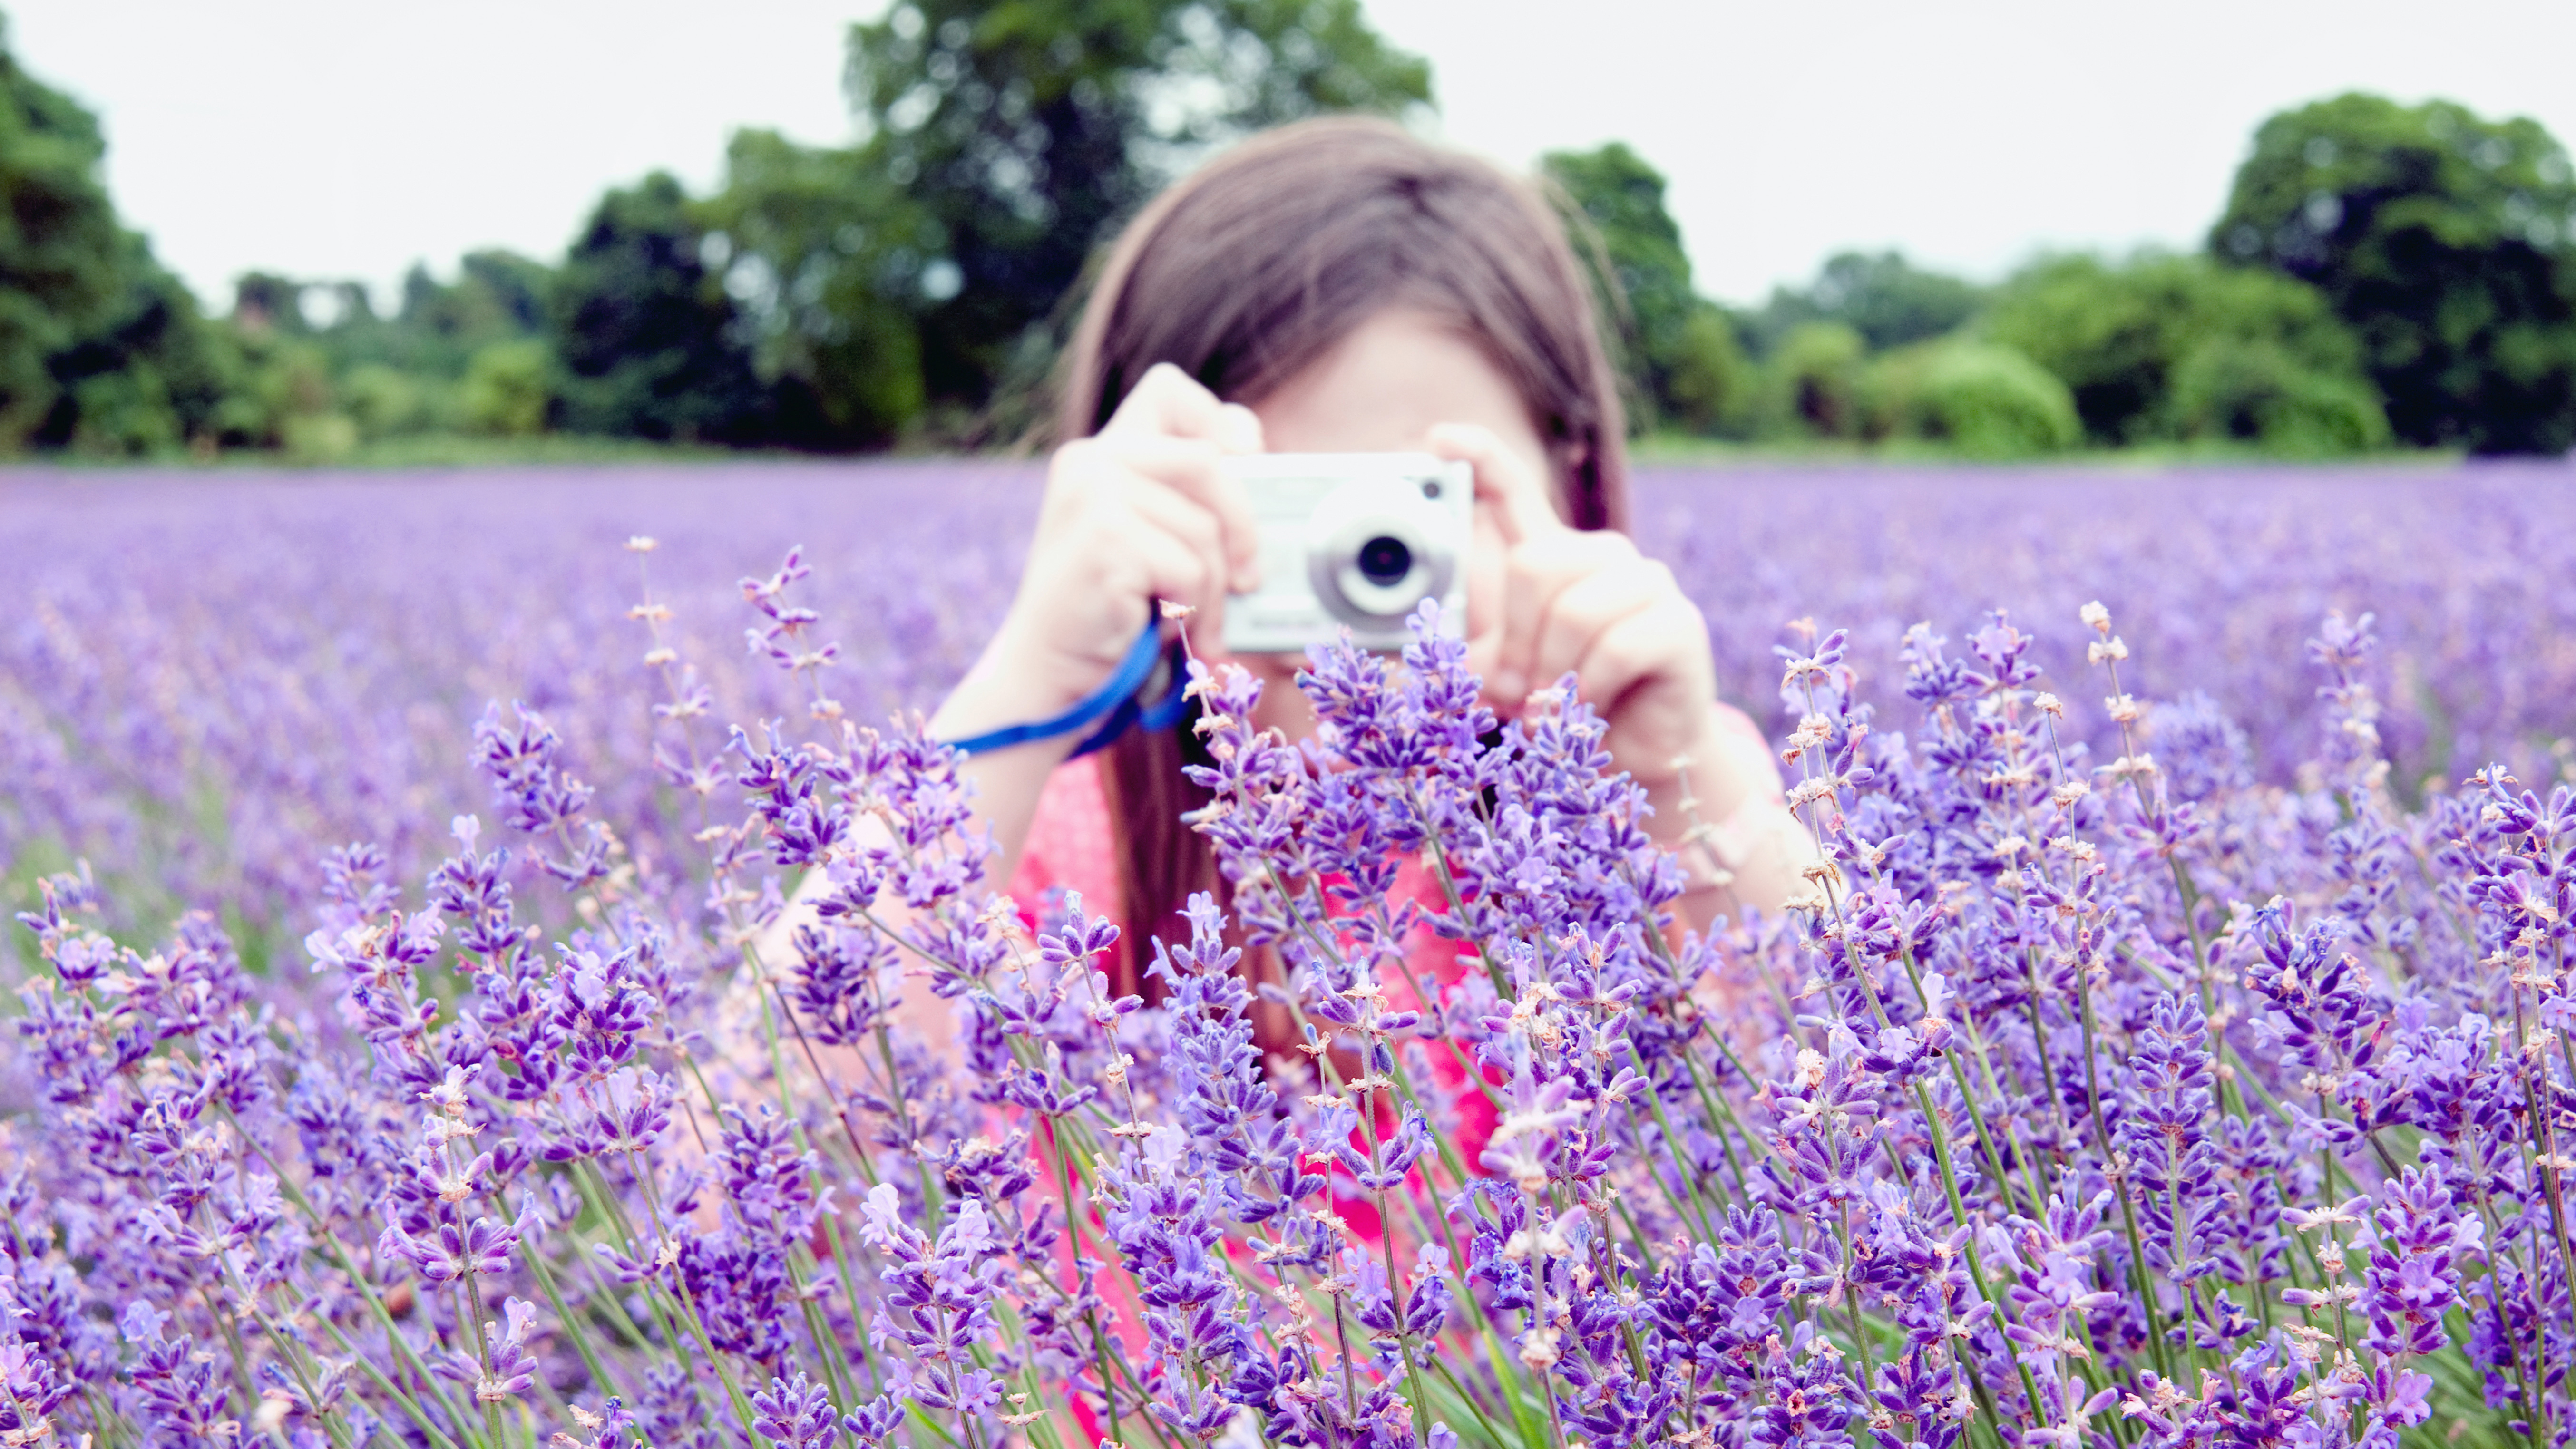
(1385, 560)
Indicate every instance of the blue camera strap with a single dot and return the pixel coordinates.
(1114, 705)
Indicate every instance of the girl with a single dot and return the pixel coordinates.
(1341, 286)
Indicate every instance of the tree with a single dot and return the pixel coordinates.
(101, 348)
(1647, 295)
(265, 301)
(285, 397)
(2255, 389)
(504, 393)
(387, 402)
(644, 329)
(1982, 399)
(1024, 131)
(150, 376)
(821, 247)
(61, 249)
(1884, 298)
(1811, 382)
(2265, 358)
(1712, 385)
(2445, 241)
(498, 296)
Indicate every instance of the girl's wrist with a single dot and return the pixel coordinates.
(1726, 771)
(1011, 682)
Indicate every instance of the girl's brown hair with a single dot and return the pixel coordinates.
(1253, 268)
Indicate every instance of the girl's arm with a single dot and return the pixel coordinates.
(1726, 817)
(1134, 514)
(1588, 603)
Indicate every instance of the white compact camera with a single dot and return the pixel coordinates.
(1352, 541)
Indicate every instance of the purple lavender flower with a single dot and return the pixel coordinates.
(537, 797)
(1870, 1165)
(795, 1415)
(510, 1366)
(180, 1390)
(598, 1011)
(449, 1251)
(846, 981)
(672, 1411)
(1167, 1226)
(1808, 1395)
(2164, 1127)
(2419, 1244)
(938, 1300)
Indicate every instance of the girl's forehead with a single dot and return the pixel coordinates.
(1387, 383)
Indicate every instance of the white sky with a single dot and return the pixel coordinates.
(348, 138)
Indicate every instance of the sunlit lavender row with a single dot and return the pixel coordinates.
(2090, 1093)
(207, 681)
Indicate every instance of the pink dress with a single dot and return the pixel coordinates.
(1072, 846)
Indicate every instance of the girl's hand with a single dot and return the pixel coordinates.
(1588, 602)
(1136, 513)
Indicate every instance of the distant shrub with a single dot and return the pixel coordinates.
(2252, 390)
(1811, 383)
(505, 393)
(1711, 385)
(2119, 333)
(318, 437)
(283, 381)
(1982, 399)
(387, 402)
(125, 414)
(1886, 299)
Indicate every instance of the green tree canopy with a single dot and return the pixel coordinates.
(1811, 383)
(2445, 241)
(823, 254)
(101, 348)
(2267, 360)
(66, 268)
(498, 296)
(1024, 130)
(431, 337)
(1982, 399)
(505, 392)
(1711, 387)
(1886, 299)
(1677, 347)
(149, 376)
(270, 302)
(644, 329)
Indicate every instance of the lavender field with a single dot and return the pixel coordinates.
(2169, 1045)
(208, 680)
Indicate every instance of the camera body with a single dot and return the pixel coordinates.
(1352, 541)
